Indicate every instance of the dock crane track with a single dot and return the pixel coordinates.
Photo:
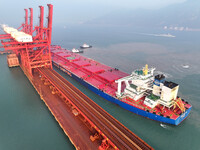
(122, 137)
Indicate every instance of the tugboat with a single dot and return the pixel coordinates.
(185, 66)
(85, 46)
(74, 50)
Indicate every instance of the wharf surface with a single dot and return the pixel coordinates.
(75, 127)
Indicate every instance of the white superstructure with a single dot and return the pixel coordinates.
(17, 35)
(142, 83)
(169, 94)
(137, 83)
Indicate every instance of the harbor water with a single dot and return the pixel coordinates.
(26, 123)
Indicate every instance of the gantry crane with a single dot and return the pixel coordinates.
(36, 53)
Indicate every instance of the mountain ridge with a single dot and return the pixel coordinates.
(186, 14)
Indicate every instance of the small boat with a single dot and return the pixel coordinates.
(85, 46)
(166, 35)
(185, 66)
(74, 50)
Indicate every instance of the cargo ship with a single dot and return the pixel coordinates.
(142, 92)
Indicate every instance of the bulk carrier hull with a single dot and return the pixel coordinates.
(136, 110)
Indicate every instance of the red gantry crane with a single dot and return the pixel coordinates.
(36, 53)
(32, 47)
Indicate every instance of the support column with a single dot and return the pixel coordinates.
(119, 83)
(26, 21)
(31, 20)
(50, 17)
(41, 16)
(41, 22)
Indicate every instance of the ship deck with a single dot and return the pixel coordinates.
(99, 75)
(103, 78)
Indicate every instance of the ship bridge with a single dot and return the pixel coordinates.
(138, 82)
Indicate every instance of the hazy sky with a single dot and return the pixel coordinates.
(73, 11)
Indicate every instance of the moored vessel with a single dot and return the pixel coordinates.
(141, 92)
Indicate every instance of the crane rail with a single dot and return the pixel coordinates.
(121, 136)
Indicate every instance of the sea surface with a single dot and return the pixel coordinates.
(26, 123)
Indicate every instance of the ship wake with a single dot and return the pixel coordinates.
(167, 127)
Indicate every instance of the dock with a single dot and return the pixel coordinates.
(86, 124)
(91, 118)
